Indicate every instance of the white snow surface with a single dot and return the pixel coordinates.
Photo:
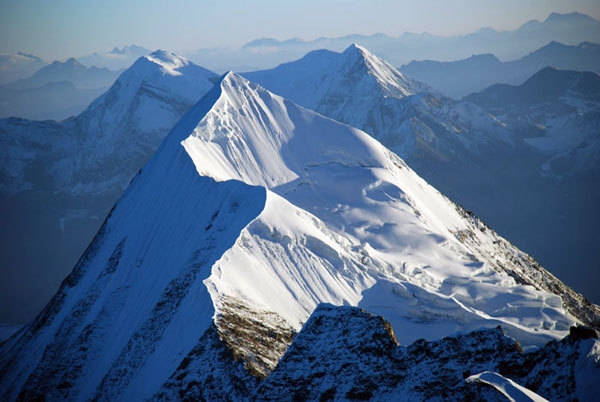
(346, 221)
(510, 389)
(255, 198)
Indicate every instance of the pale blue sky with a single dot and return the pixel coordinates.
(57, 29)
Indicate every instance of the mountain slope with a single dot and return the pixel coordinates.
(251, 213)
(557, 112)
(471, 155)
(59, 179)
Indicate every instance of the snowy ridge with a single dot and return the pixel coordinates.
(508, 388)
(253, 211)
(458, 146)
(128, 304)
(371, 201)
(60, 179)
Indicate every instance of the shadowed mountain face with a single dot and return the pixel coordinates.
(252, 213)
(60, 179)
(460, 78)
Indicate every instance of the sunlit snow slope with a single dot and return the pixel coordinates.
(253, 211)
(487, 163)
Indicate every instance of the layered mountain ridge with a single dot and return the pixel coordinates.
(557, 112)
(463, 77)
(255, 210)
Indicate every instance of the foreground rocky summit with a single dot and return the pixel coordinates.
(347, 353)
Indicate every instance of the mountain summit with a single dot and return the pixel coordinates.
(325, 80)
(252, 212)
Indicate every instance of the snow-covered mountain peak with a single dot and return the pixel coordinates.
(170, 62)
(325, 80)
(128, 121)
(356, 49)
(393, 82)
(347, 182)
(162, 71)
(247, 135)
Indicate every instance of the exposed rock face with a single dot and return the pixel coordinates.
(208, 372)
(347, 353)
(258, 338)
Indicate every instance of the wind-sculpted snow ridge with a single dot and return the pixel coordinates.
(391, 239)
(458, 147)
(254, 211)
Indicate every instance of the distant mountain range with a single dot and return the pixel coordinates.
(570, 29)
(71, 70)
(56, 91)
(460, 78)
(17, 66)
(555, 111)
